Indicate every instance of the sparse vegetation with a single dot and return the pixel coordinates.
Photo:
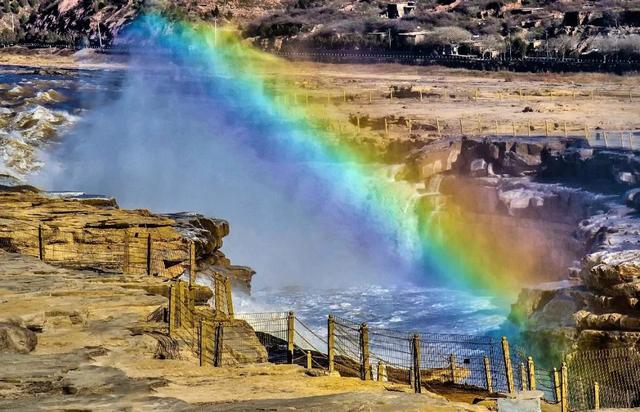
(489, 28)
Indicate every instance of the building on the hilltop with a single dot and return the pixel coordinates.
(414, 38)
(399, 10)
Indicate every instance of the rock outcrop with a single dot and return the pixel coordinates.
(576, 207)
(80, 231)
(16, 339)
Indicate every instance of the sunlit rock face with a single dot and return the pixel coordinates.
(91, 232)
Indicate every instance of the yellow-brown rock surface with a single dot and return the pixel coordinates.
(93, 233)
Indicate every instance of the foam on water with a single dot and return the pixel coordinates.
(404, 308)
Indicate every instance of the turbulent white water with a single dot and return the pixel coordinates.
(404, 308)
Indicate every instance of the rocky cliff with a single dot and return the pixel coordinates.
(80, 231)
(574, 208)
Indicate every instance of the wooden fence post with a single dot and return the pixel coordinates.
(291, 318)
(172, 309)
(382, 372)
(523, 377)
(217, 295)
(386, 127)
(409, 125)
(229, 295)
(200, 344)
(417, 360)
(487, 374)
(606, 141)
(370, 97)
(629, 136)
(507, 365)
(191, 307)
(125, 253)
(192, 264)
(438, 127)
(309, 360)
(496, 124)
(453, 367)
(586, 132)
(546, 128)
(564, 388)
(219, 345)
(531, 369)
(420, 94)
(565, 130)
(331, 342)
(391, 93)
(206, 343)
(596, 395)
(149, 255)
(556, 384)
(365, 366)
(461, 128)
(40, 243)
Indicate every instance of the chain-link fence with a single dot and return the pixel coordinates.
(609, 377)
(355, 350)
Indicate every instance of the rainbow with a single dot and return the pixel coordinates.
(453, 250)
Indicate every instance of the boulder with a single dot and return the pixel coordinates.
(478, 168)
(632, 198)
(16, 339)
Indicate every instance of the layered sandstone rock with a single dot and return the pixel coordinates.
(79, 231)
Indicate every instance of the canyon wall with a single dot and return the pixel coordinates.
(573, 209)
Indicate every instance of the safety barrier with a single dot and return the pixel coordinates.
(585, 381)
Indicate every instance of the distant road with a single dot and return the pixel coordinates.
(528, 64)
(525, 64)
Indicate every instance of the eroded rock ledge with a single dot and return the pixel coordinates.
(92, 232)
